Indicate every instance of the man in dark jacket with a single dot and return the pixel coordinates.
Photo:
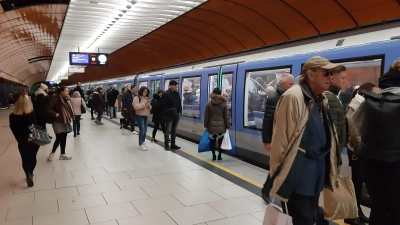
(112, 96)
(286, 81)
(171, 101)
(100, 104)
(127, 100)
(78, 89)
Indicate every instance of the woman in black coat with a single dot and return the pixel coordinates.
(157, 110)
(20, 119)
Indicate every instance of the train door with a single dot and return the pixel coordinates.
(228, 89)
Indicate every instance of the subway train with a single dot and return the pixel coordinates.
(247, 83)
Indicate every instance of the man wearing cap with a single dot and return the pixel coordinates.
(40, 102)
(304, 156)
(171, 100)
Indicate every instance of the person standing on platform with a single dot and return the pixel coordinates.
(79, 89)
(171, 101)
(20, 119)
(127, 100)
(122, 121)
(89, 93)
(304, 154)
(77, 102)
(99, 104)
(353, 147)
(61, 111)
(158, 114)
(142, 107)
(286, 81)
(40, 102)
(112, 96)
(216, 121)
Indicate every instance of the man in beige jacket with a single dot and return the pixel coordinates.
(304, 153)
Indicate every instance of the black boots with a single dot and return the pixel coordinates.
(29, 180)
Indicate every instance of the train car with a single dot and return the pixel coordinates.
(246, 85)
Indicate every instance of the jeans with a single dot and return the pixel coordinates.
(171, 122)
(157, 126)
(112, 112)
(76, 124)
(61, 139)
(99, 115)
(142, 124)
(28, 151)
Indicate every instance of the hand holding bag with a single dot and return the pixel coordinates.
(226, 142)
(83, 110)
(275, 216)
(204, 144)
(40, 136)
(340, 203)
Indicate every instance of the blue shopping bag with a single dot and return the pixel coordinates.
(204, 144)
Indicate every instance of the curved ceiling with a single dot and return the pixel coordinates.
(28, 37)
(217, 28)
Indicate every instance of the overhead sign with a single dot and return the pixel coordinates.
(88, 59)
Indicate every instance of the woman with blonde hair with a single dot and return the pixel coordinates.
(21, 119)
(77, 102)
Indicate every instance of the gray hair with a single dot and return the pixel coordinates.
(303, 77)
(114, 87)
(76, 94)
(284, 77)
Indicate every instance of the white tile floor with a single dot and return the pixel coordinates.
(110, 182)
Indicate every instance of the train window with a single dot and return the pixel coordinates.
(259, 84)
(191, 97)
(152, 90)
(359, 72)
(166, 84)
(142, 84)
(226, 89)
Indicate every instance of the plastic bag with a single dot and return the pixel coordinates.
(204, 144)
(226, 142)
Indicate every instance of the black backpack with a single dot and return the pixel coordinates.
(94, 101)
(380, 125)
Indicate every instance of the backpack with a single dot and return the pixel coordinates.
(94, 101)
(379, 125)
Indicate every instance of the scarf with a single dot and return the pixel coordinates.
(66, 109)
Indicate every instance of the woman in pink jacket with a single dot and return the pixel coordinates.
(76, 103)
(141, 105)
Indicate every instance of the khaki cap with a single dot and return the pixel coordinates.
(318, 62)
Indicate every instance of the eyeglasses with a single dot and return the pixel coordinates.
(328, 73)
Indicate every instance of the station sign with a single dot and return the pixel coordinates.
(88, 59)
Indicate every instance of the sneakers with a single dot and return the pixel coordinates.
(144, 144)
(135, 132)
(65, 157)
(51, 156)
(100, 123)
(143, 148)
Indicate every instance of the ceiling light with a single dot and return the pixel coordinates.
(93, 2)
(124, 11)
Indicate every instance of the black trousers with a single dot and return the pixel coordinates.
(171, 124)
(132, 120)
(91, 111)
(356, 176)
(302, 209)
(213, 144)
(61, 140)
(157, 126)
(28, 151)
(383, 181)
(76, 124)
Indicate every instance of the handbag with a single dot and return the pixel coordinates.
(40, 136)
(83, 110)
(275, 216)
(226, 142)
(340, 203)
(204, 144)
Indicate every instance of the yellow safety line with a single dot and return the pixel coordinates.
(340, 222)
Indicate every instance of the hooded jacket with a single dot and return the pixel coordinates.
(41, 101)
(216, 119)
(101, 102)
(157, 108)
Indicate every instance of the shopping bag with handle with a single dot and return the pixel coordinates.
(226, 142)
(275, 216)
(204, 144)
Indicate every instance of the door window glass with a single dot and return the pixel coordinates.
(259, 84)
(191, 97)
